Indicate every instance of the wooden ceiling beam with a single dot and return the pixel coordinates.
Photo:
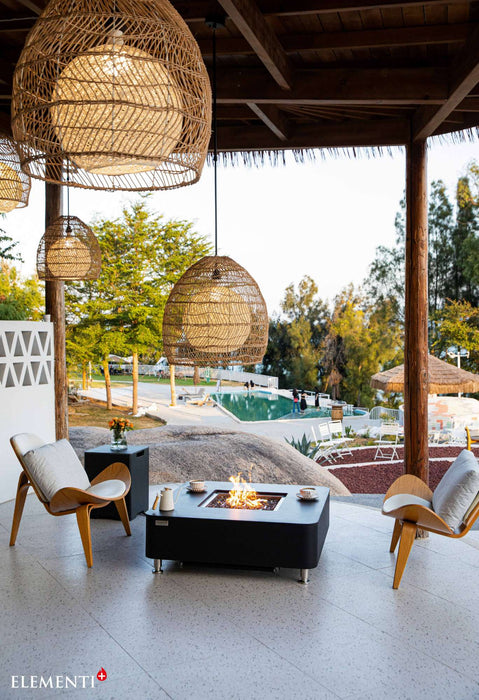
(470, 104)
(384, 132)
(5, 124)
(271, 116)
(35, 7)
(463, 79)
(313, 7)
(259, 35)
(364, 39)
(402, 86)
(198, 10)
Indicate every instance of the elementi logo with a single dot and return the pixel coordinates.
(55, 682)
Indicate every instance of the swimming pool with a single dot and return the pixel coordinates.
(261, 405)
(255, 405)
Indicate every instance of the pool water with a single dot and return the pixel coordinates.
(255, 405)
(261, 405)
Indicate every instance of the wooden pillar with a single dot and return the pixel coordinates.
(416, 454)
(172, 385)
(55, 306)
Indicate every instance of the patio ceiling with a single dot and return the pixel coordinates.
(320, 73)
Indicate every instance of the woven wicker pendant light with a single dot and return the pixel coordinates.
(14, 183)
(116, 87)
(215, 314)
(68, 251)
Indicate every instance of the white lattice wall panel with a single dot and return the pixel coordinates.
(26, 356)
(27, 402)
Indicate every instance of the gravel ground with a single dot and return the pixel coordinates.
(376, 478)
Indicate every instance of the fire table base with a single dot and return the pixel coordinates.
(291, 536)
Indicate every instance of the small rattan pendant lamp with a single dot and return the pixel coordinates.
(68, 250)
(14, 183)
(215, 314)
(116, 87)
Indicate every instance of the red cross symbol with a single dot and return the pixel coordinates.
(101, 675)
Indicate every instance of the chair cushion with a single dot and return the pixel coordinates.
(56, 466)
(404, 499)
(457, 489)
(113, 488)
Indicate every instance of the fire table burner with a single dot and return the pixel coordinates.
(218, 499)
(290, 535)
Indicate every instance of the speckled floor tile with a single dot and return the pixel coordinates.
(252, 674)
(181, 634)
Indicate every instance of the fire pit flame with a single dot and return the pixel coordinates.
(242, 495)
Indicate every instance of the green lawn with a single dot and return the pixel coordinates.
(118, 379)
(93, 414)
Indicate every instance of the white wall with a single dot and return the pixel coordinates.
(27, 401)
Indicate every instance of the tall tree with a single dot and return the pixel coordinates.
(20, 299)
(142, 257)
(295, 337)
(7, 248)
(457, 324)
(440, 224)
(361, 340)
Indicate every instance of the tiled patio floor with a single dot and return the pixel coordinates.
(212, 633)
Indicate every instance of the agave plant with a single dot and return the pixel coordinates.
(303, 445)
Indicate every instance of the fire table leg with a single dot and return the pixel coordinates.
(303, 576)
(157, 566)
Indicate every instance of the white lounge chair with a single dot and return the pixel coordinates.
(336, 431)
(325, 446)
(388, 443)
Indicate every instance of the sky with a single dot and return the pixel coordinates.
(323, 219)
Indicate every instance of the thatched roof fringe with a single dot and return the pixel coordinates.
(301, 155)
(455, 137)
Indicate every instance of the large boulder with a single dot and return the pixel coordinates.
(180, 453)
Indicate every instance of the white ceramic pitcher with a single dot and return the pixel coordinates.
(167, 499)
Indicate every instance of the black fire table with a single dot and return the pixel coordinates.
(291, 535)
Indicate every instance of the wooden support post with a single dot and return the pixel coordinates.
(55, 306)
(172, 385)
(134, 375)
(416, 347)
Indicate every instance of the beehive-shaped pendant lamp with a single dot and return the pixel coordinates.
(14, 183)
(116, 87)
(68, 251)
(215, 315)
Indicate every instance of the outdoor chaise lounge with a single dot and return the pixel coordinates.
(451, 510)
(61, 483)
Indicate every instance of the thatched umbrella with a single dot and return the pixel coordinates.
(444, 378)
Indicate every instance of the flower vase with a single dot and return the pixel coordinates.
(118, 440)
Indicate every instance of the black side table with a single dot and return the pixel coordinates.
(136, 458)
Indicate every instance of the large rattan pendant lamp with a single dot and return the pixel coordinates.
(116, 87)
(68, 250)
(14, 183)
(215, 314)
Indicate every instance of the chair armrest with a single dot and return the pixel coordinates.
(117, 470)
(408, 483)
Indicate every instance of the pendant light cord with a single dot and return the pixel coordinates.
(215, 142)
(68, 230)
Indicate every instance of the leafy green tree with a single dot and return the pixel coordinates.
(295, 337)
(361, 340)
(142, 257)
(7, 248)
(464, 247)
(440, 224)
(458, 325)
(20, 299)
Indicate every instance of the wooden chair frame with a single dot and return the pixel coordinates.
(470, 440)
(411, 517)
(72, 500)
